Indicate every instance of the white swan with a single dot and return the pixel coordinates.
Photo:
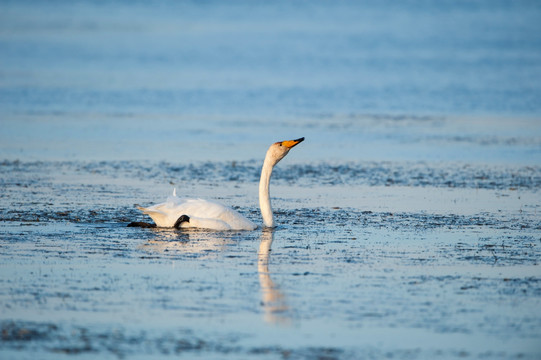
(199, 213)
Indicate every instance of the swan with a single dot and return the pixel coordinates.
(205, 214)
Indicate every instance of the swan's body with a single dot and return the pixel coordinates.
(199, 213)
(202, 213)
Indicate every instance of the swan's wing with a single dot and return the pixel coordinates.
(237, 221)
(167, 213)
(205, 209)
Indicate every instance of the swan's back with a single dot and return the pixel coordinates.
(205, 213)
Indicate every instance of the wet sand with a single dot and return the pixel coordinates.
(417, 267)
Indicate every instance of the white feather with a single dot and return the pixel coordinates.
(203, 214)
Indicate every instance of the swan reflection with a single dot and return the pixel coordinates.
(172, 241)
(273, 300)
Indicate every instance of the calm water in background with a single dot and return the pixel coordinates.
(216, 81)
(409, 216)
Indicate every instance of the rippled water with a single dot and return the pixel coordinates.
(357, 267)
(408, 219)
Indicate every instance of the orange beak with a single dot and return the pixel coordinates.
(291, 143)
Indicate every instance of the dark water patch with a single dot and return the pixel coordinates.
(103, 216)
(418, 174)
(121, 343)
(62, 235)
(17, 332)
(454, 175)
(500, 251)
(72, 340)
(402, 220)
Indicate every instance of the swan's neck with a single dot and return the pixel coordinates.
(264, 193)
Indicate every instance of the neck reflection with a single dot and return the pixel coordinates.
(273, 300)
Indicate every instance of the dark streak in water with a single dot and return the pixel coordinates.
(454, 175)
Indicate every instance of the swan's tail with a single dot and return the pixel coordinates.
(159, 217)
(161, 213)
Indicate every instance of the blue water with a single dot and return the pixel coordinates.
(189, 81)
(408, 218)
(271, 59)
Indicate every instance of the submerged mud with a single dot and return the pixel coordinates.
(359, 267)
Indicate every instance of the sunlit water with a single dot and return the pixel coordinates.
(408, 219)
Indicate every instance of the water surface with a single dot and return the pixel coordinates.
(408, 220)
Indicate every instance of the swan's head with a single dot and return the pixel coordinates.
(278, 150)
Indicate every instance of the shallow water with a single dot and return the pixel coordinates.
(406, 270)
(408, 219)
